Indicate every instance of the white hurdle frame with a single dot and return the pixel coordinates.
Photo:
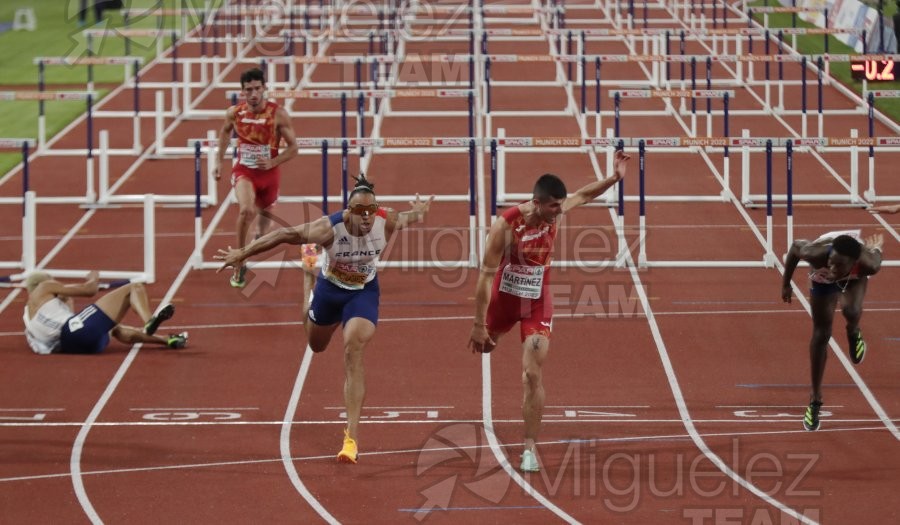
(307, 146)
(29, 247)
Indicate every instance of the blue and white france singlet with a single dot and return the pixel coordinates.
(350, 260)
(42, 330)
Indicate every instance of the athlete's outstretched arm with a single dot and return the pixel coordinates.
(416, 213)
(497, 240)
(224, 141)
(595, 189)
(885, 209)
(50, 288)
(815, 253)
(316, 232)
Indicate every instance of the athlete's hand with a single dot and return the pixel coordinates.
(874, 242)
(265, 164)
(786, 293)
(480, 340)
(420, 207)
(230, 258)
(620, 164)
(885, 209)
(92, 283)
(217, 170)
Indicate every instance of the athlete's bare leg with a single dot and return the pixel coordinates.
(852, 302)
(318, 336)
(116, 303)
(263, 220)
(822, 317)
(357, 332)
(309, 281)
(130, 336)
(534, 352)
(246, 197)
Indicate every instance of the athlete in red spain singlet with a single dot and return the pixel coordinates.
(261, 126)
(514, 281)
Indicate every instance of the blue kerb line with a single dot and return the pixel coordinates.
(892, 338)
(790, 385)
(517, 507)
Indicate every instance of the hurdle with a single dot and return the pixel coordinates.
(44, 96)
(91, 34)
(790, 191)
(607, 145)
(131, 64)
(851, 144)
(870, 97)
(343, 97)
(693, 94)
(29, 247)
(27, 259)
(324, 145)
(768, 257)
(744, 144)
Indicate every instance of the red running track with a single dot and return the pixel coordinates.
(674, 395)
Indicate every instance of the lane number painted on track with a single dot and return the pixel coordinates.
(396, 414)
(191, 416)
(598, 412)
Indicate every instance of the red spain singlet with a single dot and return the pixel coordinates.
(520, 288)
(257, 139)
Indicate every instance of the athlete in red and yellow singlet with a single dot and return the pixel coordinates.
(517, 263)
(521, 284)
(261, 126)
(257, 139)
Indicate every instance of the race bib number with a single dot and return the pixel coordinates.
(75, 324)
(352, 276)
(522, 281)
(251, 154)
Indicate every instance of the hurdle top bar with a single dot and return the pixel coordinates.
(370, 9)
(354, 93)
(577, 58)
(10, 143)
(638, 31)
(884, 93)
(93, 61)
(538, 142)
(770, 9)
(47, 95)
(672, 93)
(124, 32)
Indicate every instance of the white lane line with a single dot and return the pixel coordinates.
(637, 315)
(78, 445)
(622, 439)
(285, 440)
(494, 444)
(310, 422)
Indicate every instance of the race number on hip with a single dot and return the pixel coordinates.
(522, 281)
(251, 154)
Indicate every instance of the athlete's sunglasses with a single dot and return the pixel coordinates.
(364, 209)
